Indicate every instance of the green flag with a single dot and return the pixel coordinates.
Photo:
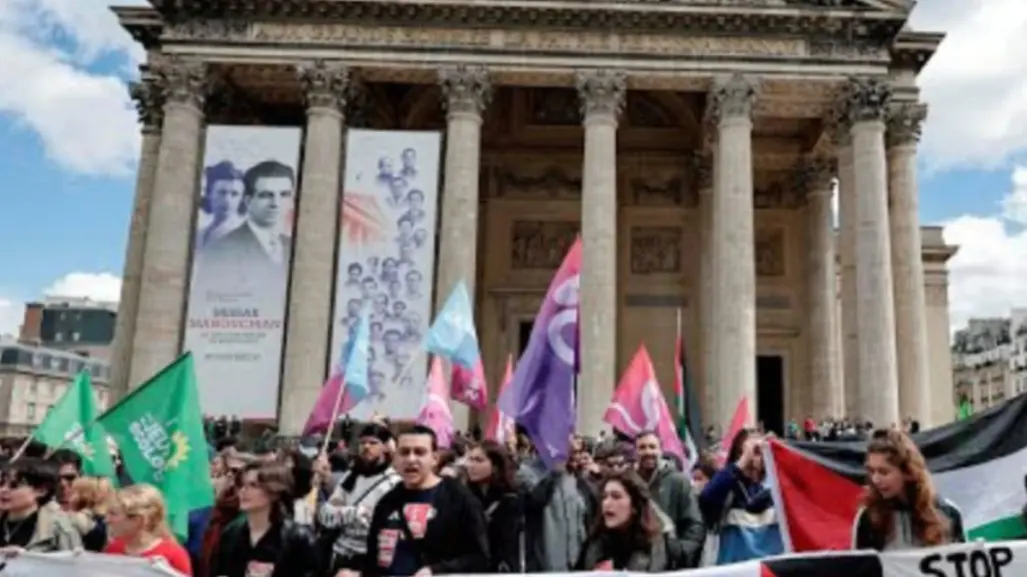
(159, 429)
(63, 428)
(965, 411)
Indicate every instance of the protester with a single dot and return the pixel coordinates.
(427, 525)
(630, 534)
(346, 516)
(738, 508)
(69, 467)
(267, 542)
(558, 512)
(89, 501)
(672, 493)
(139, 526)
(31, 519)
(900, 508)
(490, 476)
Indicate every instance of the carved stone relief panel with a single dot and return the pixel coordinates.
(770, 252)
(778, 195)
(661, 186)
(538, 181)
(541, 244)
(554, 107)
(656, 250)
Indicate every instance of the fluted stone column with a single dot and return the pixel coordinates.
(907, 262)
(707, 322)
(602, 95)
(157, 339)
(309, 324)
(847, 262)
(150, 105)
(732, 240)
(821, 306)
(868, 101)
(466, 92)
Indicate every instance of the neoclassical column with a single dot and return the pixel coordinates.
(149, 101)
(904, 124)
(826, 395)
(157, 338)
(847, 262)
(868, 100)
(309, 324)
(602, 95)
(732, 240)
(466, 92)
(704, 166)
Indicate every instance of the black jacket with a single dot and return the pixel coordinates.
(456, 539)
(298, 557)
(505, 520)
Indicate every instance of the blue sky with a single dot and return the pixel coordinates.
(68, 143)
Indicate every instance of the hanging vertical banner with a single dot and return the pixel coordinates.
(241, 257)
(387, 260)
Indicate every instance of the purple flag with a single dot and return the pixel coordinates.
(540, 396)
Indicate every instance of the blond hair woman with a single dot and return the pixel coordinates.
(138, 522)
(89, 501)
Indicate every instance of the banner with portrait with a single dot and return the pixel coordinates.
(387, 261)
(241, 261)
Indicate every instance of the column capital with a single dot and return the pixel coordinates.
(602, 92)
(149, 101)
(866, 99)
(466, 88)
(905, 124)
(182, 81)
(731, 96)
(702, 163)
(815, 176)
(325, 84)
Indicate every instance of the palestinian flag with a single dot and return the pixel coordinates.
(978, 464)
(686, 408)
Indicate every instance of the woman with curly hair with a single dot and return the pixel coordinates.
(900, 508)
(631, 533)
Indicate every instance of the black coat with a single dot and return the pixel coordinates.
(299, 556)
(504, 517)
(455, 540)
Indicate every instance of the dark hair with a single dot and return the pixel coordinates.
(644, 525)
(36, 473)
(503, 468)
(707, 464)
(68, 457)
(266, 169)
(213, 174)
(276, 480)
(302, 473)
(649, 433)
(446, 458)
(418, 430)
(737, 444)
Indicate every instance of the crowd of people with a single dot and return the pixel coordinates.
(398, 505)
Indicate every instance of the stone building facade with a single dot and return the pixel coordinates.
(694, 144)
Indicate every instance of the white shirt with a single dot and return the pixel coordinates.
(269, 240)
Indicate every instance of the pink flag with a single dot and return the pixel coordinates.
(469, 386)
(320, 419)
(435, 413)
(638, 405)
(738, 422)
(500, 425)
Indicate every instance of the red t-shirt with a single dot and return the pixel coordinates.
(166, 549)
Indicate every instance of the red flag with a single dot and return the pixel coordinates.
(638, 405)
(816, 506)
(499, 424)
(738, 421)
(468, 386)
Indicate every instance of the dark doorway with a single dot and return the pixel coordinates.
(523, 336)
(770, 397)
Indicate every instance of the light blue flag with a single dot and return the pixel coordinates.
(452, 335)
(355, 375)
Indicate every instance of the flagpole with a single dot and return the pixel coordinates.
(21, 450)
(335, 415)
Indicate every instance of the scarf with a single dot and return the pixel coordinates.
(361, 468)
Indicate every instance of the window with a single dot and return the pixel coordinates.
(75, 336)
(53, 388)
(34, 388)
(30, 411)
(58, 337)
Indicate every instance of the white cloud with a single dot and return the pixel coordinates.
(988, 276)
(976, 84)
(97, 286)
(86, 120)
(11, 313)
